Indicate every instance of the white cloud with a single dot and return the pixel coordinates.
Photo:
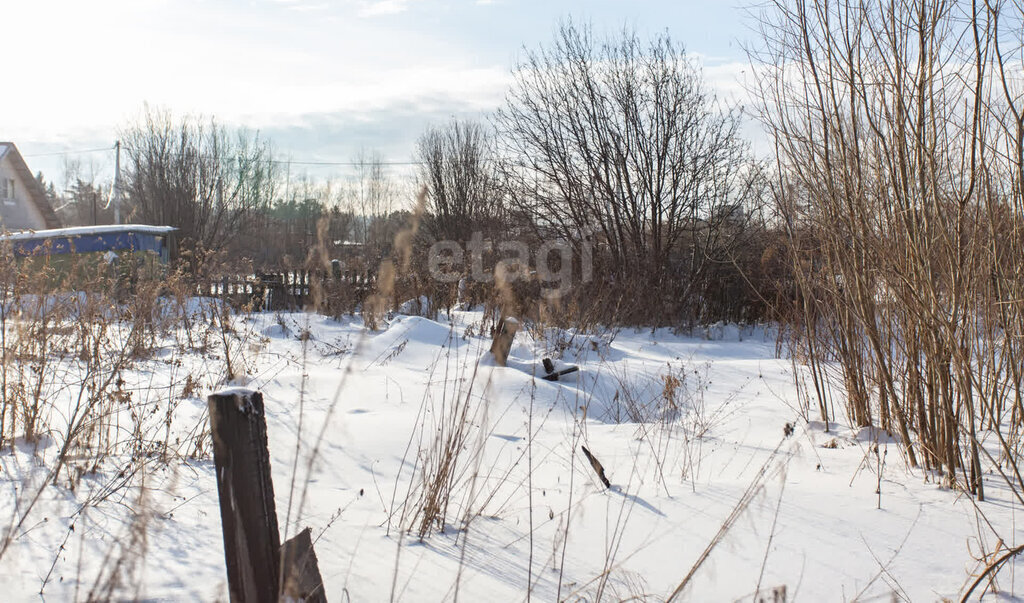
(727, 80)
(84, 69)
(310, 7)
(376, 8)
(106, 59)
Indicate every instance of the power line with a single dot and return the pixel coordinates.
(56, 153)
(345, 163)
(275, 161)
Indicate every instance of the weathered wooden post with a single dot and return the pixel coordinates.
(504, 333)
(252, 544)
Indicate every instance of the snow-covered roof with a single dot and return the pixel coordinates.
(79, 231)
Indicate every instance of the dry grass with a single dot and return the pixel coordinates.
(71, 346)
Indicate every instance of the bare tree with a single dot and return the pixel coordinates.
(620, 138)
(458, 167)
(371, 195)
(194, 175)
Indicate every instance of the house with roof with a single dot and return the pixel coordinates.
(23, 202)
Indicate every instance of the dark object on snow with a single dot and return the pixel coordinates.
(252, 544)
(248, 517)
(788, 429)
(551, 375)
(598, 467)
(504, 333)
(302, 581)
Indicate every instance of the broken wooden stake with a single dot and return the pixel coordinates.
(551, 375)
(555, 376)
(301, 576)
(598, 467)
(504, 333)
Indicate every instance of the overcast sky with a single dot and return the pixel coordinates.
(321, 78)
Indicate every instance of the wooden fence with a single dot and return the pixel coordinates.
(285, 289)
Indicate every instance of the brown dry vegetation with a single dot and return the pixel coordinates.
(898, 135)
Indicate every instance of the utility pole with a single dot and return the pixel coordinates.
(117, 183)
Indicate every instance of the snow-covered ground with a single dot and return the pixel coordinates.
(706, 485)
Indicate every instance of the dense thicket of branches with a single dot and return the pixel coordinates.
(196, 176)
(458, 168)
(310, 215)
(619, 140)
(898, 127)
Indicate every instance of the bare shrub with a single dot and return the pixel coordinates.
(902, 210)
(443, 445)
(71, 331)
(618, 142)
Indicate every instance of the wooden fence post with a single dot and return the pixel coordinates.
(252, 544)
(504, 333)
